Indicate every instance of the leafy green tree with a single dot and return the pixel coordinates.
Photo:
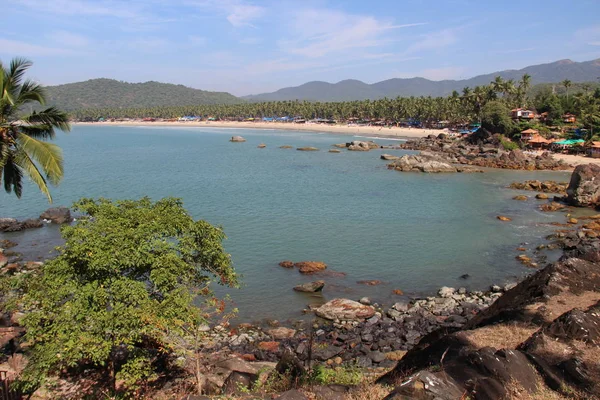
(496, 118)
(121, 287)
(23, 146)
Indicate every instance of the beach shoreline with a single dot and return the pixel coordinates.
(374, 131)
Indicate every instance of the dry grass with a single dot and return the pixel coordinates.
(501, 336)
(517, 392)
(369, 391)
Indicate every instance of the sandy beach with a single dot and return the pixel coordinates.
(375, 131)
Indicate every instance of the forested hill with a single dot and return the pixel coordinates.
(110, 93)
(348, 90)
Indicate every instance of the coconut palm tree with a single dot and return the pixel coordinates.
(24, 150)
(567, 84)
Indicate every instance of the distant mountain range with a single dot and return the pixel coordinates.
(587, 71)
(110, 93)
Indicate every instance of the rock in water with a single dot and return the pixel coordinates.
(334, 151)
(389, 157)
(307, 149)
(286, 264)
(345, 310)
(237, 139)
(503, 218)
(584, 187)
(262, 146)
(310, 287)
(310, 267)
(58, 215)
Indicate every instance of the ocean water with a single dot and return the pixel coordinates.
(414, 232)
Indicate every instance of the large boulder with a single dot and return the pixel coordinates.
(12, 225)
(424, 162)
(58, 215)
(345, 310)
(584, 187)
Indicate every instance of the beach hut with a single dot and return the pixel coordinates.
(528, 134)
(594, 150)
(538, 141)
(569, 118)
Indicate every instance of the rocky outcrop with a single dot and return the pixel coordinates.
(335, 151)
(358, 145)
(57, 215)
(541, 186)
(484, 150)
(551, 339)
(13, 225)
(310, 267)
(345, 310)
(307, 149)
(389, 157)
(286, 264)
(584, 187)
(237, 139)
(310, 287)
(421, 163)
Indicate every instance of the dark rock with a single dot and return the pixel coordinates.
(290, 365)
(58, 215)
(584, 187)
(310, 287)
(286, 264)
(324, 352)
(427, 385)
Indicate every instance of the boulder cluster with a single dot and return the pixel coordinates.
(483, 149)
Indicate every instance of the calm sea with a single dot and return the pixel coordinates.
(414, 232)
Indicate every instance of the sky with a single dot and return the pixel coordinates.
(249, 47)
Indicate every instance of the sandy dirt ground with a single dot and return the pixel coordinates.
(337, 129)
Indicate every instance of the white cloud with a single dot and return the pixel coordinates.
(16, 47)
(434, 40)
(318, 32)
(239, 13)
(244, 14)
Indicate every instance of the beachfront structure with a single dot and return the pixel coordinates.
(522, 113)
(528, 134)
(538, 141)
(569, 118)
(594, 150)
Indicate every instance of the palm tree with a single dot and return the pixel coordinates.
(567, 84)
(23, 146)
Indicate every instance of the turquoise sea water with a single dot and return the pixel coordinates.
(415, 232)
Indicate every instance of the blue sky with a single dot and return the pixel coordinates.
(244, 46)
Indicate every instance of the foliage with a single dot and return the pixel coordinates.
(109, 93)
(24, 150)
(124, 282)
(508, 145)
(496, 118)
(348, 375)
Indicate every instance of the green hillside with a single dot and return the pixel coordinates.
(110, 93)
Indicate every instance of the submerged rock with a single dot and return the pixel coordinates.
(307, 149)
(389, 157)
(503, 218)
(237, 139)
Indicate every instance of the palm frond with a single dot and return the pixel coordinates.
(18, 67)
(30, 91)
(47, 155)
(13, 177)
(51, 117)
(26, 164)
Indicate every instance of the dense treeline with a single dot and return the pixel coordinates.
(473, 104)
(109, 93)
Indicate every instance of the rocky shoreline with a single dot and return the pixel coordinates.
(481, 149)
